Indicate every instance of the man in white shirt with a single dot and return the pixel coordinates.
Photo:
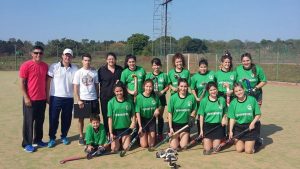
(86, 90)
(60, 96)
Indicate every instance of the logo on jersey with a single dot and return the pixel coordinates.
(211, 77)
(140, 74)
(220, 106)
(126, 108)
(249, 107)
(161, 80)
(153, 102)
(189, 103)
(252, 75)
(231, 77)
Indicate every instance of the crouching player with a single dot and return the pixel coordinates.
(244, 113)
(95, 136)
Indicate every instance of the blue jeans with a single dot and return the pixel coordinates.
(57, 105)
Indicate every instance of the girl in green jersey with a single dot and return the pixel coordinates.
(199, 81)
(127, 76)
(177, 72)
(147, 106)
(225, 77)
(244, 113)
(160, 81)
(255, 76)
(120, 117)
(212, 113)
(182, 109)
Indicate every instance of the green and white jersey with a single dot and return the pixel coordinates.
(120, 112)
(212, 111)
(222, 77)
(199, 81)
(173, 80)
(128, 80)
(248, 74)
(146, 105)
(243, 112)
(95, 138)
(161, 79)
(181, 108)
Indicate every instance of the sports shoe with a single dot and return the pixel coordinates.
(65, 140)
(51, 143)
(42, 144)
(81, 141)
(29, 149)
(258, 144)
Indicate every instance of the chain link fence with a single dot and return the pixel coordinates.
(282, 65)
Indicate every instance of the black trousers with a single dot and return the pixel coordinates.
(104, 103)
(33, 120)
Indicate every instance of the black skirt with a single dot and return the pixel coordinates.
(247, 136)
(178, 126)
(218, 133)
(151, 127)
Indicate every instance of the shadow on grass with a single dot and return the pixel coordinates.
(267, 131)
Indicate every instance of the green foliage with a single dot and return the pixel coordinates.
(138, 42)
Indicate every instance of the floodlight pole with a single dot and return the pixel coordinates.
(166, 25)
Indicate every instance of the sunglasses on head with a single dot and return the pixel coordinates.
(38, 53)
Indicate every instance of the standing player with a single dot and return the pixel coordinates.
(182, 109)
(199, 81)
(254, 73)
(160, 81)
(225, 77)
(212, 113)
(86, 90)
(147, 106)
(177, 72)
(33, 77)
(108, 75)
(60, 88)
(131, 69)
(244, 113)
(120, 117)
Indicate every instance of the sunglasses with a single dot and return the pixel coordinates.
(36, 53)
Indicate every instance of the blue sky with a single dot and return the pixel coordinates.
(253, 20)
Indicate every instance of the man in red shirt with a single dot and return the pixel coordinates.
(33, 75)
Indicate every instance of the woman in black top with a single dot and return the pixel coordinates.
(108, 75)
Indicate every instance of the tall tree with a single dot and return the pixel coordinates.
(137, 42)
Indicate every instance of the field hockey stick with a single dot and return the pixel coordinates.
(224, 143)
(167, 138)
(92, 154)
(203, 91)
(155, 86)
(123, 152)
(227, 95)
(134, 76)
(248, 85)
(199, 139)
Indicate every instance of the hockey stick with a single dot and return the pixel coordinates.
(203, 91)
(167, 138)
(135, 86)
(248, 85)
(123, 152)
(199, 139)
(93, 153)
(227, 96)
(224, 143)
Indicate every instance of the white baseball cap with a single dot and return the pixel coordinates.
(67, 50)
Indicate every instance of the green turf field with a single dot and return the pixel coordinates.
(280, 130)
